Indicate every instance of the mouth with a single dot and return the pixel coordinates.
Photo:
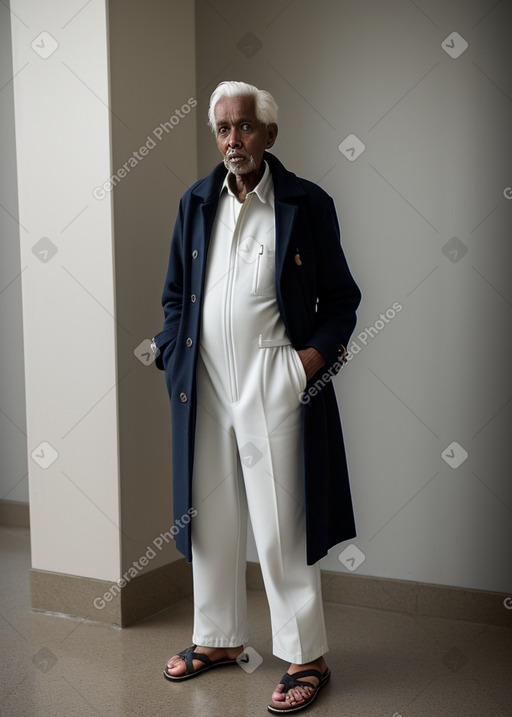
(239, 163)
(236, 158)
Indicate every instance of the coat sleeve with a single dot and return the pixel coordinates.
(338, 295)
(172, 296)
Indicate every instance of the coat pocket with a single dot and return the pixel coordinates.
(300, 371)
(292, 363)
(167, 353)
(160, 345)
(264, 272)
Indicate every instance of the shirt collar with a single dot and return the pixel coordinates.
(263, 190)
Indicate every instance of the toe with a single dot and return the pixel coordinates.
(175, 666)
(298, 695)
(278, 695)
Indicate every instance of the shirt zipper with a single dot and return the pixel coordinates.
(229, 303)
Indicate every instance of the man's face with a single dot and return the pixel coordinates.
(241, 137)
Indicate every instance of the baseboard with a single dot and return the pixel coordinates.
(413, 598)
(152, 592)
(14, 513)
(106, 602)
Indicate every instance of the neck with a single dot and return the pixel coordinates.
(242, 184)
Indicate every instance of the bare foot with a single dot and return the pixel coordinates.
(297, 695)
(176, 665)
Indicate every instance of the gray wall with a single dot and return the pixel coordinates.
(145, 94)
(425, 225)
(13, 441)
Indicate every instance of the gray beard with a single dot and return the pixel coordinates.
(249, 166)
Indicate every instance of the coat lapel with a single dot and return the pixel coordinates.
(207, 190)
(288, 193)
(286, 215)
(208, 211)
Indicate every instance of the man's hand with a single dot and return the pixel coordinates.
(312, 360)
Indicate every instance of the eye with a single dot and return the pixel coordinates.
(246, 127)
(221, 130)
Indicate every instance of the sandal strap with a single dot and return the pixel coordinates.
(188, 655)
(291, 681)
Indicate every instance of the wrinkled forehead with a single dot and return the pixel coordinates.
(234, 110)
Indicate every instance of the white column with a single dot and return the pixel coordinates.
(97, 415)
(63, 149)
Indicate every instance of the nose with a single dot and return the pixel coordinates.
(234, 138)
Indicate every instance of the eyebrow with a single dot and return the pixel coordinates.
(224, 121)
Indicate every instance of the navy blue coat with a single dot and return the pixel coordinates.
(317, 299)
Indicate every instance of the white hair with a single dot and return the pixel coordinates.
(265, 105)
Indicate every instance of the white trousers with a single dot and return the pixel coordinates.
(248, 459)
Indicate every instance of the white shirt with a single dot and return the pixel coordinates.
(239, 298)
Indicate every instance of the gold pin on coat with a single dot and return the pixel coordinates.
(298, 260)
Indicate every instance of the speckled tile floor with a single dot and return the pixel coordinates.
(383, 663)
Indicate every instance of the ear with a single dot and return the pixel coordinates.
(271, 135)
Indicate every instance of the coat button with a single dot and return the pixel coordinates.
(189, 342)
(193, 298)
(183, 397)
(195, 254)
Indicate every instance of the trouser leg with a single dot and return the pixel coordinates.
(253, 449)
(268, 431)
(219, 530)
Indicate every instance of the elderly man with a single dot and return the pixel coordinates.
(259, 305)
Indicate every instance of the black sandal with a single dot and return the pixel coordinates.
(188, 655)
(291, 681)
